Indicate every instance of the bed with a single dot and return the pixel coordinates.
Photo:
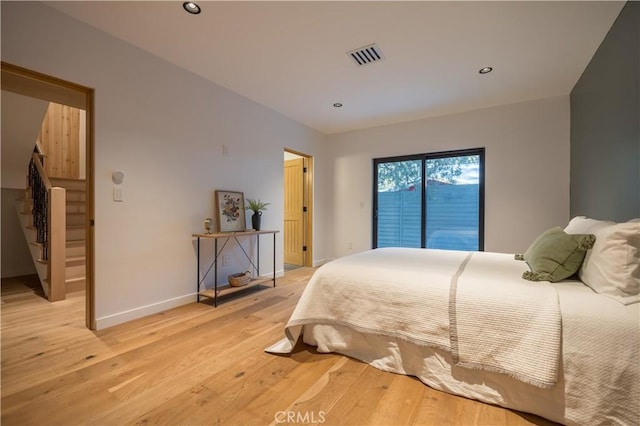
(471, 324)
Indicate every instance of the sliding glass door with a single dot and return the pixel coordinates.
(430, 201)
(399, 203)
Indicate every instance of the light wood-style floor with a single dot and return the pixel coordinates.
(199, 365)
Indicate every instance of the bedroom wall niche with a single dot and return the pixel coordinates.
(605, 133)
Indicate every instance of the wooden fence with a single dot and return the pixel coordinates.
(452, 217)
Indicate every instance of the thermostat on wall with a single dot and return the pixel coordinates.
(117, 177)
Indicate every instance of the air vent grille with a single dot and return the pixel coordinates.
(366, 55)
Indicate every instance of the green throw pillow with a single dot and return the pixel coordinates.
(556, 255)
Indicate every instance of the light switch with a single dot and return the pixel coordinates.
(117, 194)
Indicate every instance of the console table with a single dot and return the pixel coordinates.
(225, 289)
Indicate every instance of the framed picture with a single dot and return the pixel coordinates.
(230, 208)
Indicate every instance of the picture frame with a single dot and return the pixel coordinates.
(230, 209)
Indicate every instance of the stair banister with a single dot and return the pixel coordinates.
(49, 213)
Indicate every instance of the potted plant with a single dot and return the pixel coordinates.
(257, 207)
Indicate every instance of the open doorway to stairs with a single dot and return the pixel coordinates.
(31, 84)
(298, 210)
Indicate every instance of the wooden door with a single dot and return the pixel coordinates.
(293, 211)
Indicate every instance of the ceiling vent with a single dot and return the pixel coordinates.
(366, 55)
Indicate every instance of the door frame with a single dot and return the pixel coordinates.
(307, 227)
(34, 84)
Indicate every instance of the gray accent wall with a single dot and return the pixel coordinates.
(605, 129)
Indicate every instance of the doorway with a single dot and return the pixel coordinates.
(32, 84)
(298, 209)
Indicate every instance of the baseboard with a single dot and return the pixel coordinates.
(320, 262)
(279, 274)
(143, 311)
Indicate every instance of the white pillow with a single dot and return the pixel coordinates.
(585, 225)
(612, 266)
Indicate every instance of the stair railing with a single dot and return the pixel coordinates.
(49, 221)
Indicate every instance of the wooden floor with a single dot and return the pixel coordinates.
(199, 365)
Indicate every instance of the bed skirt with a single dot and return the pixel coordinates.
(436, 368)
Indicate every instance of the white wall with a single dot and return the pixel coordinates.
(526, 159)
(165, 128)
(21, 123)
(16, 257)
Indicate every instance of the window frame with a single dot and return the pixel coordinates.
(480, 152)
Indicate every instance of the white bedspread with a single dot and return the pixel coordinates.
(504, 324)
(601, 357)
(469, 304)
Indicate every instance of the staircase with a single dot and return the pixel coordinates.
(53, 210)
(75, 264)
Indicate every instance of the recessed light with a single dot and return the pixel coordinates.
(485, 70)
(337, 105)
(191, 7)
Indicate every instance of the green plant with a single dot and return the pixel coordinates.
(255, 205)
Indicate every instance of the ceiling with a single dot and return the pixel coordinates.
(291, 56)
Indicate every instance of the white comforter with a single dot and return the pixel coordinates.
(473, 304)
(599, 368)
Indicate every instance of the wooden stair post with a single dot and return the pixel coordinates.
(75, 231)
(57, 244)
